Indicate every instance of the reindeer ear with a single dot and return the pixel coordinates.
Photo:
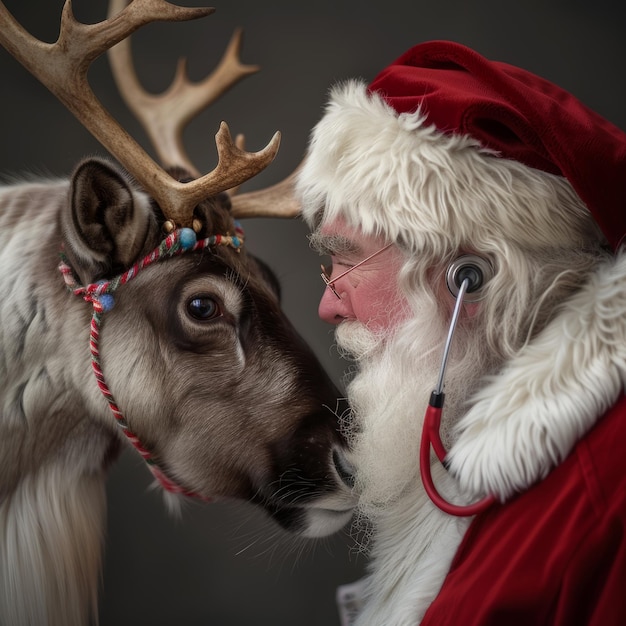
(106, 224)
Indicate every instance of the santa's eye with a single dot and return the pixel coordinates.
(203, 308)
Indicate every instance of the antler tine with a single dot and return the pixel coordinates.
(234, 167)
(278, 200)
(62, 67)
(165, 116)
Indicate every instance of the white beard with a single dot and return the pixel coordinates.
(413, 541)
(397, 371)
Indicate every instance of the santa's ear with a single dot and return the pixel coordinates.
(106, 222)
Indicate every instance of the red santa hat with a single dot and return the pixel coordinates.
(435, 102)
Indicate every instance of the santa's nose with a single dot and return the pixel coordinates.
(332, 309)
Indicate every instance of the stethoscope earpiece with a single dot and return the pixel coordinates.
(475, 269)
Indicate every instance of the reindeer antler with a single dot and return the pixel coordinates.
(62, 67)
(165, 116)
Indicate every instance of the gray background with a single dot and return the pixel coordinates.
(224, 564)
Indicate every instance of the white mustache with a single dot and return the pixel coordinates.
(357, 342)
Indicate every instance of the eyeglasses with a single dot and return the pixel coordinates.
(326, 272)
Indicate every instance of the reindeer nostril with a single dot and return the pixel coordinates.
(344, 468)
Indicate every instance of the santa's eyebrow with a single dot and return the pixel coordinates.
(333, 245)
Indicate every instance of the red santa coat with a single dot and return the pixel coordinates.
(556, 554)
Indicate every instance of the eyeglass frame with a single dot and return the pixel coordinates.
(331, 283)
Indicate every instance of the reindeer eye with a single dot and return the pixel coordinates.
(203, 308)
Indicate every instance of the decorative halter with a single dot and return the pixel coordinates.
(100, 295)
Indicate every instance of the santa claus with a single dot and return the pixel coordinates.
(475, 214)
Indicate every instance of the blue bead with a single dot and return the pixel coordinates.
(107, 301)
(187, 238)
(236, 242)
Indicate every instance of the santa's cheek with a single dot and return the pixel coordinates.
(381, 309)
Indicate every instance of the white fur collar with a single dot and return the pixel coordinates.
(529, 416)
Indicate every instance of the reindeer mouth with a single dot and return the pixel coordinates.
(314, 509)
(318, 518)
(321, 522)
(344, 468)
(331, 513)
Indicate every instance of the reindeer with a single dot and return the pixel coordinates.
(132, 313)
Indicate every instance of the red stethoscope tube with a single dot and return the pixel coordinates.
(431, 436)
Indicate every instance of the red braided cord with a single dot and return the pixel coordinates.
(162, 478)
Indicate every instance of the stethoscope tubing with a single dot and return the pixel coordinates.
(431, 436)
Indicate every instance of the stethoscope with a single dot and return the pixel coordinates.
(431, 428)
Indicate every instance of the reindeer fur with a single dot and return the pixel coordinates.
(231, 408)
